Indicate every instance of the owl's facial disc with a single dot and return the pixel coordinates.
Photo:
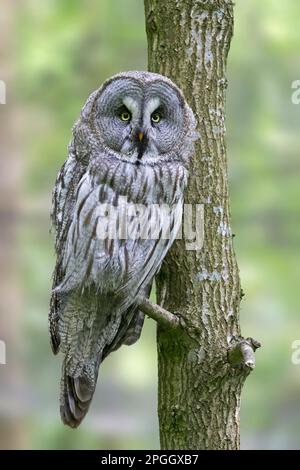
(140, 143)
(140, 121)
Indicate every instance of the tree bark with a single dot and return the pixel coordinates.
(202, 365)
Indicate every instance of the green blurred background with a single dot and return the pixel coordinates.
(56, 52)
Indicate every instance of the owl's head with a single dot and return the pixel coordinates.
(141, 117)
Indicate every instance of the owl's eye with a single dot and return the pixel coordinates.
(125, 116)
(155, 117)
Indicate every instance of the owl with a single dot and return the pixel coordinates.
(128, 159)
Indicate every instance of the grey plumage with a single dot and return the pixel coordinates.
(131, 146)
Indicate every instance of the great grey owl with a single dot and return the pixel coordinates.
(130, 149)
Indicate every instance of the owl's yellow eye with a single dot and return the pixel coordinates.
(125, 116)
(155, 117)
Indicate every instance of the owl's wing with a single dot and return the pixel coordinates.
(147, 255)
(144, 261)
(63, 201)
(94, 253)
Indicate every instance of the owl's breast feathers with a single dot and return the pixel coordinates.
(124, 220)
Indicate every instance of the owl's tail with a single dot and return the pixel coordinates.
(90, 328)
(77, 394)
(86, 326)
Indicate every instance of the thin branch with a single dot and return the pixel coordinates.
(242, 353)
(158, 313)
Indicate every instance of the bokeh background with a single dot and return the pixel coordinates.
(53, 54)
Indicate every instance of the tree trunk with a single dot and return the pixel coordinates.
(201, 367)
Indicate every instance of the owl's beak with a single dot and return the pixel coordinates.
(141, 142)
